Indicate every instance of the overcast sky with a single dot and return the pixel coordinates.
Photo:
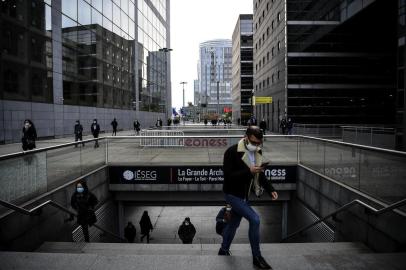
(193, 22)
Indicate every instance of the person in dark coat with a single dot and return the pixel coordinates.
(137, 127)
(169, 122)
(130, 232)
(158, 123)
(283, 126)
(114, 124)
(146, 226)
(262, 126)
(243, 168)
(84, 202)
(95, 128)
(186, 231)
(78, 133)
(289, 125)
(205, 121)
(29, 135)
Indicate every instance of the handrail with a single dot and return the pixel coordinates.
(345, 207)
(23, 153)
(36, 212)
(53, 147)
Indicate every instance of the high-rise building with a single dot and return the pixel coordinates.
(242, 69)
(214, 76)
(326, 61)
(68, 60)
(401, 78)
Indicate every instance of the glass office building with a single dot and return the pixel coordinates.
(214, 76)
(80, 59)
(326, 61)
(242, 69)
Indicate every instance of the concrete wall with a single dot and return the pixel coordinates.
(56, 120)
(384, 233)
(26, 233)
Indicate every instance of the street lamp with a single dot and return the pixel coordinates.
(183, 105)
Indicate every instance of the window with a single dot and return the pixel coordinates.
(267, 81)
(273, 51)
(279, 45)
(279, 73)
(279, 16)
(273, 24)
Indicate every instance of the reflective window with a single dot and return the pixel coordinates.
(116, 14)
(98, 4)
(84, 17)
(69, 8)
(97, 18)
(107, 8)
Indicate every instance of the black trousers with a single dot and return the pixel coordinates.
(85, 230)
(143, 235)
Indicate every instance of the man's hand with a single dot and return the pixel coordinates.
(274, 195)
(256, 169)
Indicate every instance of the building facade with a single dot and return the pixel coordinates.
(242, 69)
(68, 60)
(214, 76)
(325, 61)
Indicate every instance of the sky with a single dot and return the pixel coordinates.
(193, 22)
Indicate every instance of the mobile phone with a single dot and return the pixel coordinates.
(264, 164)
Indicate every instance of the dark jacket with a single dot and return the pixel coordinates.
(84, 203)
(95, 128)
(130, 232)
(237, 175)
(145, 224)
(78, 129)
(29, 137)
(137, 125)
(262, 125)
(186, 232)
(114, 124)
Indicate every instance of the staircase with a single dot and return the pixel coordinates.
(89, 256)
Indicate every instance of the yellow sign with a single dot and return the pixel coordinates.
(262, 100)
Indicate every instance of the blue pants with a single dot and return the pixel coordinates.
(240, 209)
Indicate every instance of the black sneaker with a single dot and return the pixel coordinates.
(261, 263)
(223, 252)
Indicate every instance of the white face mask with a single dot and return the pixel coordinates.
(26, 125)
(186, 223)
(252, 148)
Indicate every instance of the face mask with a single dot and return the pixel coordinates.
(80, 189)
(94, 122)
(186, 223)
(26, 125)
(252, 148)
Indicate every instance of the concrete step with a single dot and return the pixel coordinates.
(203, 249)
(62, 261)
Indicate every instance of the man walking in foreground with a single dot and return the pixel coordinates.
(243, 172)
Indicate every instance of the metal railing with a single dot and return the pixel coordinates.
(345, 207)
(36, 211)
(358, 166)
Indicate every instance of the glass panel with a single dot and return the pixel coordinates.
(383, 175)
(97, 18)
(98, 4)
(84, 13)
(311, 154)
(93, 158)
(69, 8)
(108, 9)
(31, 173)
(116, 15)
(62, 165)
(342, 164)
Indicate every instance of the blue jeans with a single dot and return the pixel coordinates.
(240, 209)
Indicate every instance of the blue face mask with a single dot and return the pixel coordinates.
(80, 189)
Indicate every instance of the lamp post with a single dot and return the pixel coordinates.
(166, 50)
(183, 105)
